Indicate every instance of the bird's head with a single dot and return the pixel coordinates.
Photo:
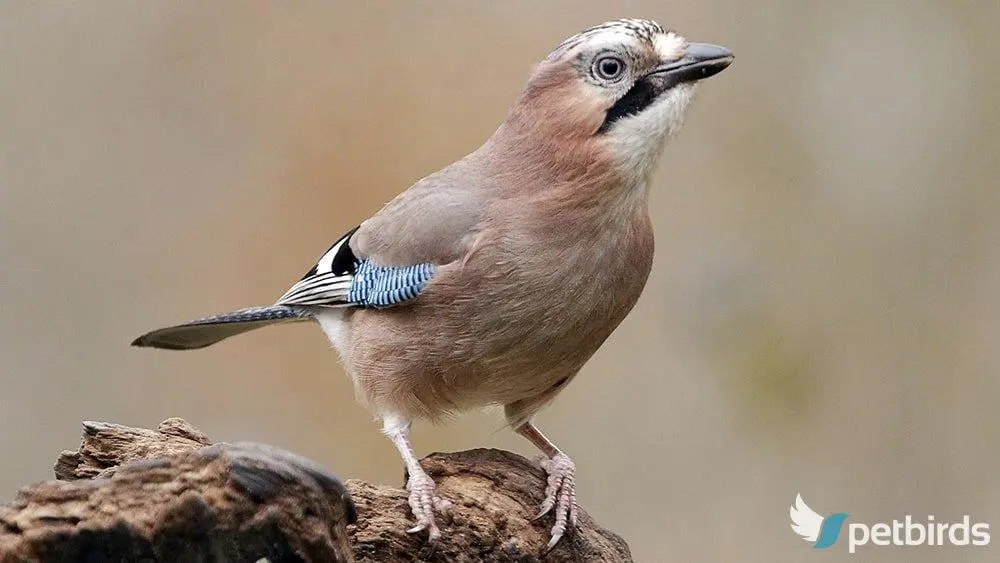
(620, 87)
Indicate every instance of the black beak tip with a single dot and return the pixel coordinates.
(703, 52)
(715, 66)
(711, 58)
(701, 60)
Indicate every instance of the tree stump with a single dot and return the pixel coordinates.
(131, 494)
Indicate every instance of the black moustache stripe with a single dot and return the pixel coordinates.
(638, 98)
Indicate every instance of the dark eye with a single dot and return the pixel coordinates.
(609, 68)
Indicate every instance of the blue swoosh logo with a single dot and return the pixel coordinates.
(830, 530)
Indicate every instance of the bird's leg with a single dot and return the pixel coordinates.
(423, 498)
(560, 491)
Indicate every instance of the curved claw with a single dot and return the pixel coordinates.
(556, 536)
(545, 509)
(433, 532)
(423, 503)
(560, 494)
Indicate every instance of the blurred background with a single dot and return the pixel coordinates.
(823, 315)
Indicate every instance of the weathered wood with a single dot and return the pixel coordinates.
(131, 494)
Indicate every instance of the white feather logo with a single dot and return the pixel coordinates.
(805, 521)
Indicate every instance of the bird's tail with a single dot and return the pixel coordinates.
(209, 330)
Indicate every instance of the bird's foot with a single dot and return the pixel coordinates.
(423, 503)
(560, 494)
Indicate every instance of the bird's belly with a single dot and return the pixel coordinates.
(469, 342)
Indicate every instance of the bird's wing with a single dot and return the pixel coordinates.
(391, 257)
(433, 221)
(342, 279)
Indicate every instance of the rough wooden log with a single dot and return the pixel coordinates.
(131, 494)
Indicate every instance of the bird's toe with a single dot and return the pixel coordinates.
(560, 495)
(424, 503)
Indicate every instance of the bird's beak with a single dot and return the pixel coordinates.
(700, 60)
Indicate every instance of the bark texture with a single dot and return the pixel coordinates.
(131, 494)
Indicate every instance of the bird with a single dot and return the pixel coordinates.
(492, 281)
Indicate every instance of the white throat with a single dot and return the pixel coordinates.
(637, 140)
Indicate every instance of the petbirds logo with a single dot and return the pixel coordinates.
(813, 527)
(823, 532)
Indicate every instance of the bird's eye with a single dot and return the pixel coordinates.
(609, 68)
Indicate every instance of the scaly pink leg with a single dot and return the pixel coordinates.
(423, 499)
(560, 491)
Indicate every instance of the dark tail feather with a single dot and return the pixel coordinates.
(209, 330)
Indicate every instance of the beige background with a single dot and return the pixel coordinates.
(823, 315)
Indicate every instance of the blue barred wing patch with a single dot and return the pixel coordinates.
(341, 279)
(384, 286)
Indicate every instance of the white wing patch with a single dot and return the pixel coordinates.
(325, 263)
(805, 521)
(340, 279)
(322, 286)
(321, 289)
